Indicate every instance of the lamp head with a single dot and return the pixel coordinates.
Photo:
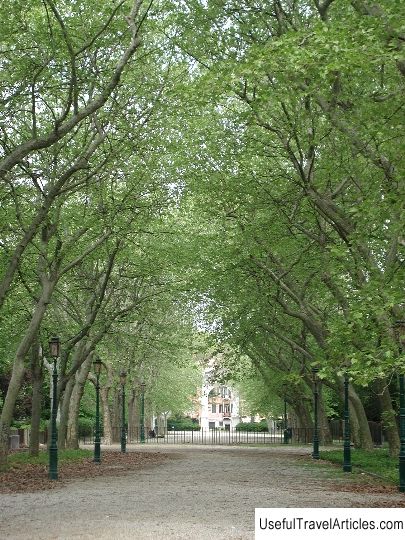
(54, 346)
(97, 364)
(123, 377)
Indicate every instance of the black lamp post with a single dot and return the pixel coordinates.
(315, 450)
(142, 418)
(54, 348)
(97, 440)
(347, 461)
(285, 422)
(400, 326)
(123, 377)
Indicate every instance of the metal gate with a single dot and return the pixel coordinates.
(205, 436)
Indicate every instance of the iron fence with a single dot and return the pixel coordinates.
(211, 436)
(376, 431)
(221, 436)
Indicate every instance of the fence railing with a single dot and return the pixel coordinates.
(376, 430)
(219, 436)
(212, 436)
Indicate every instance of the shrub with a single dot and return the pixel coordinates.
(252, 426)
(86, 427)
(182, 424)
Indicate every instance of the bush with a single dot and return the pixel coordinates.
(252, 426)
(182, 424)
(86, 427)
(24, 424)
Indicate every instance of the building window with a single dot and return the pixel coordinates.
(213, 408)
(220, 408)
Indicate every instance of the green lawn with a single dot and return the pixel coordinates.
(17, 458)
(376, 461)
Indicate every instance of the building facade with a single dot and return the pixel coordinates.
(219, 405)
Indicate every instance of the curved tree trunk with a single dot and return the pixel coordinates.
(133, 416)
(302, 414)
(354, 426)
(36, 403)
(364, 436)
(324, 428)
(72, 440)
(107, 427)
(64, 413)
(116, 416)
(18, 370)
(388, 416)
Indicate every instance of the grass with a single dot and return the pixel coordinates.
(21, 458)
(377, 461)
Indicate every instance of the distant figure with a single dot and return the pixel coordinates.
(152, 433)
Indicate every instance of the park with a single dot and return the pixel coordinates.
(202, 263)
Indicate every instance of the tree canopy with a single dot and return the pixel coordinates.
(232, 169)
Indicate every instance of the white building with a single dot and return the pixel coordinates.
(219, 404)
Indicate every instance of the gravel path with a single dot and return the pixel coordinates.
(196, 493)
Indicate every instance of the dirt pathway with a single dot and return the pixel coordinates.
(197, 493)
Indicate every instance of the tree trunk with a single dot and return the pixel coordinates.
(36, 403)
(302, 414)
(364, 435)
(162, 425)
(388, 416)
(64, 413)
(72, 440)
(18, 370)
(354, 426)
(324, 428)
(107, 427)
(133, 416)
(116, 416)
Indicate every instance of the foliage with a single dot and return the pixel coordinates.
(171, 167)
(86, 427)
(43, 426)
(184, 423)
(252, 426)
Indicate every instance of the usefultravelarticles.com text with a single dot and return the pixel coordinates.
(330, 524)
(335, 523)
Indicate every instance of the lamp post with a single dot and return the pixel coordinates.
(97, 441)
(142, 416)
(400, 326)
(54, 348)
(347, 461)
(315, 450)
(285, 422)
(123, 377)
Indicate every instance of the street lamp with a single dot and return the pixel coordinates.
(285, 422)
(347, 462)
(315, 451)
(123, 378)
(54, 349)
(400, 327)
(142, 418)
(97, 440)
